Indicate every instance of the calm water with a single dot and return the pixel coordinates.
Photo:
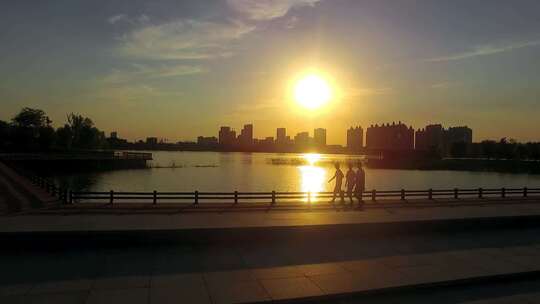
(213, 171)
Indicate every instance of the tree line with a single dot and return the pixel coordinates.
(31, 130)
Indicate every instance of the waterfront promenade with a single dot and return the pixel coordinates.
(250, 253)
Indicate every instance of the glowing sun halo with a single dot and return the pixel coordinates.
(312, 91)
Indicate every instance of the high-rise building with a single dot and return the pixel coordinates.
(227, 136)
(459, 134)
(246, 136)
(114, 135)
(281, 136)
(355, 139)
(302, 139)
(430, 138)
(390, 137)
(437, 138)
(319, 137)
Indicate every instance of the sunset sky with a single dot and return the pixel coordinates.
(179, 69)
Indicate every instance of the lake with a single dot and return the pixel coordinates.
(218, 171)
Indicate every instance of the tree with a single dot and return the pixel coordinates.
(84, 134)
(4, 135)
(31, 118)
(32, 130)
(489, 148)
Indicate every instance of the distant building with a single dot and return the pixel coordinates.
(207, 141)
(459, 134)
(302, 139)
(390, 137)
(281, 136)
(355, 139)
(246, 136)
(151, 140)
(319, 137)
(432, 137)
(114, 135)
(227, 136)
(436, 138)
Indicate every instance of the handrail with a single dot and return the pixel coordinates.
(66, 195)
(274, 196)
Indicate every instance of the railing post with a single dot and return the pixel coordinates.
(70, 197)
(196, 197)
(456, 193)
(524, 191)
(236, 197)
(503, 192)
(155, 197)
(480, 193)
(66, 199)
(111, 197)
(373, 195)
(273, 197)
(402, 194)
(430, 194)
(309, 197)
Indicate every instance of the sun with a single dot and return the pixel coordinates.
(312, 91)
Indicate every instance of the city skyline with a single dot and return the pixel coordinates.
(181, 68)
(395, 136)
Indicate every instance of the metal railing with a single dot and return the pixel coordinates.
(68, 196)
(275, 197)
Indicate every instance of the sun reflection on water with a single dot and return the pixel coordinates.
(313, 177)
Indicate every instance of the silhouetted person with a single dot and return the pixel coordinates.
(350, 182)
(360, 181)
(338, 176)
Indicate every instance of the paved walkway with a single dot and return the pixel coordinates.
(314, 281)
(270, 219)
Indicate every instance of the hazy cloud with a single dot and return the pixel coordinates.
(485, 50)
(445, 85)
(138, 72)
(116, 18)
(185, 39)
(364, 91)
(142, 19)
(267, 9)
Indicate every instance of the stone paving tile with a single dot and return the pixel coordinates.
(176, 280)
(229, 276)
(180, 294)
(366, 266)
(237, 292)
(58, 298)
(14, 290)
(324, 268)
(521, 251)
(529, 263)
(62, 286)
(342, 283)
(516, 299)
(121, 282)
(18, 299)
(278, 272)
(411, 260)
(291, 288)
(116, 296)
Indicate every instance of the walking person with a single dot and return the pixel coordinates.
(360, 186)
(338, 176)
(350, 182)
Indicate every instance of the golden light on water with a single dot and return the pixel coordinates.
(313, 177)
(312, 91)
